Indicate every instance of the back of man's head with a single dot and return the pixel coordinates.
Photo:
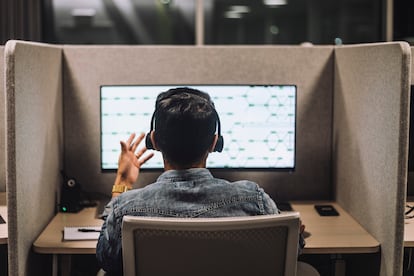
(185, 124)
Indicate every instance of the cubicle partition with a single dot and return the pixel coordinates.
(86, 68)
(2, 124)
(370, 141)
(3, 228)
(34, 146)
(351, 140)
(410, 184)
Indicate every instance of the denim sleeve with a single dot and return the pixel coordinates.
(269, 205)
(109, 247)
(271, 208)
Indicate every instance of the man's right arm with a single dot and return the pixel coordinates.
(109, 247)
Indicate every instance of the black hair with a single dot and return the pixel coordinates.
(185, 122)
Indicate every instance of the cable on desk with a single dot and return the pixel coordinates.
(409, 211)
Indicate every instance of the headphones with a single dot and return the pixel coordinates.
(220, 141)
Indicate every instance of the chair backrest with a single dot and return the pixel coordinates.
(254, 245)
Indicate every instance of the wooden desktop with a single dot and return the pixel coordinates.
(408, 237)
(3, 214)
(327, 235)
(334, 234)
(409, 227)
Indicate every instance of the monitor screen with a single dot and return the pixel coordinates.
(257, 123)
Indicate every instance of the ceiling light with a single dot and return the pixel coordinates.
(236, 11)
(239, 9)
(275, 2)
(83, 12)
(231, 14)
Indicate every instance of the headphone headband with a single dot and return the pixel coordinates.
(220, 142)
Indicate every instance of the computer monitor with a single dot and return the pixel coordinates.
(257, 123)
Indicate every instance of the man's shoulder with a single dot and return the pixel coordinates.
(245, 183)
(240, 185)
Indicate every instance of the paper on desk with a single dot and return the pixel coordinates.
(73, 233)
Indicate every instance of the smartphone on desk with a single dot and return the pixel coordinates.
(284, 206)
(326, 210)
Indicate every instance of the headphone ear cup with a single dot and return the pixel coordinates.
(148, 142)
(220, 144)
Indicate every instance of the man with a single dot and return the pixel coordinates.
(183, 129)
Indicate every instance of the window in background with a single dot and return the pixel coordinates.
(293, 21)
(222, 21)
(404, 21)
(119, 21)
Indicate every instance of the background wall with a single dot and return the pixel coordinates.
(310, 68)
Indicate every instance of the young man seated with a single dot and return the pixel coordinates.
(183, 129)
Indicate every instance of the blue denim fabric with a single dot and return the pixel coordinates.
(187, 193)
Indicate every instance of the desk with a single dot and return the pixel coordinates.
(408, 241)
(328, 235)
(334, 235)
(51, 241)
(3, 213)
(409, 229)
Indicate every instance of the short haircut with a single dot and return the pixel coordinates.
(185, 122)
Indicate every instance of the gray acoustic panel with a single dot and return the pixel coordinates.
(2, 124)
(310, 68)
(410, 183)
(370, 141)
(34, 146)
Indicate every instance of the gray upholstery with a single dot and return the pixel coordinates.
(370, 132)
(410, 188)
(310, 68)
(2, 124)
(34, 146)
(258, 245)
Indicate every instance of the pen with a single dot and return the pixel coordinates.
(88, 230)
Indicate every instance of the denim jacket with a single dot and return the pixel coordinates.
(187, 193)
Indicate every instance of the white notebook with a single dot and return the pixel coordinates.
(81, 233)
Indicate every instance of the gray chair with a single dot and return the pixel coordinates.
(254, 245)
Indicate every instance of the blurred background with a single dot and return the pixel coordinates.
(210, 22)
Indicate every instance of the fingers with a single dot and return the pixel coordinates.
(125, 145)
(302, 228)
(130, 139)
(134, 145)
(130, 144)
(142, 159)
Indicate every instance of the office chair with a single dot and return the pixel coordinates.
(254, 245)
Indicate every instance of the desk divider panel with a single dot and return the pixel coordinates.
(34, 147)
(410, 183)
(310, 68)
(2, 124)
(370, 138)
